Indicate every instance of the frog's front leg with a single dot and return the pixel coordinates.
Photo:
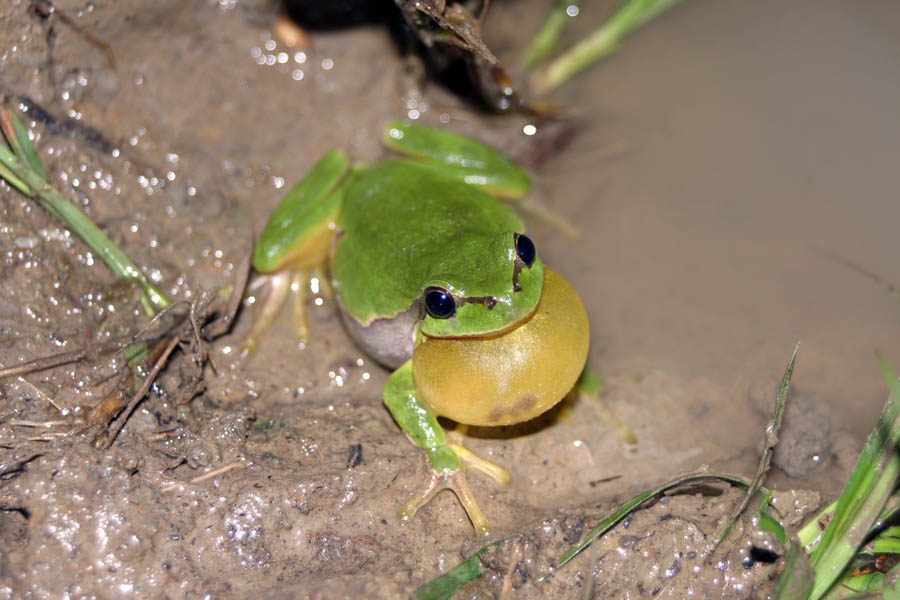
(445, 460)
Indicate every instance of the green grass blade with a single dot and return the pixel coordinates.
(609, 521)
(6, 172)
(136, 353)
(767, 522)
(860, 504)
(22, 145)
(20, 173)
(890, 377)
(810, 535)
(769, 447)
(449, 583)
(868, 585)
(796, 581)
(630, 15)
(891, 589)
(470, 569)
(886, 542)
(545, 40)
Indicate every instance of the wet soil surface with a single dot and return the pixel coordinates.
(733, 197)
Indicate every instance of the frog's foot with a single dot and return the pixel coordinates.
(279, 285)
(454, 479)
(470, 460)
(297, 284)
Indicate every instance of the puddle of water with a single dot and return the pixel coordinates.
(760, 145)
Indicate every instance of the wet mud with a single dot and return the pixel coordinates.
(711, 205)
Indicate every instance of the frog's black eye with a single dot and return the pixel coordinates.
(525, 249)
(439, 303)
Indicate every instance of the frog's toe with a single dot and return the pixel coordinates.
(470, 460)
(299, 282)
(278, 285)
(455, 481)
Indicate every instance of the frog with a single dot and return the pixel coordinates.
(434, 278)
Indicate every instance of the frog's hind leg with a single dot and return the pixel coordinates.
(445, 460)
(464, 159)
(295, 244)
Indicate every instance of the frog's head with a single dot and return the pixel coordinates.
(484, 286)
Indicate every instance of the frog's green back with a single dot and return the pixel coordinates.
(405, 226)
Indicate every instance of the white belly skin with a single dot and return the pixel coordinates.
(389, 341)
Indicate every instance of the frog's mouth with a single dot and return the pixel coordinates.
(489, 302)
(480, 315)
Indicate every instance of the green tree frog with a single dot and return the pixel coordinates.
(436, 280)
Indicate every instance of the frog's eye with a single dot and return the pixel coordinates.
(439, 303)
(525, 249)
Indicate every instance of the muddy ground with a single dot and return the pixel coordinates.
(733, 180)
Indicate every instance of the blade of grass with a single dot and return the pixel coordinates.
(868, 489)
(810, 535)
(890, 377)
(769, 448)
(866, 585)
(21, 143)
(609, 521)
(6, 173)
(891, 589)
(886, 542)
(449, 583)
(30, 181)
(796, 580)
(546, 39)
(767, 522)
(630, 15)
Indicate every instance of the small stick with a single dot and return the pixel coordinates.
(771, 440)
(223, 323)
(40, 394)
(46, 362)
(168, 434)
(44, 9)
(136, 399)
(47, 424)
(47, 437)
(139, 336)
(235, 465)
